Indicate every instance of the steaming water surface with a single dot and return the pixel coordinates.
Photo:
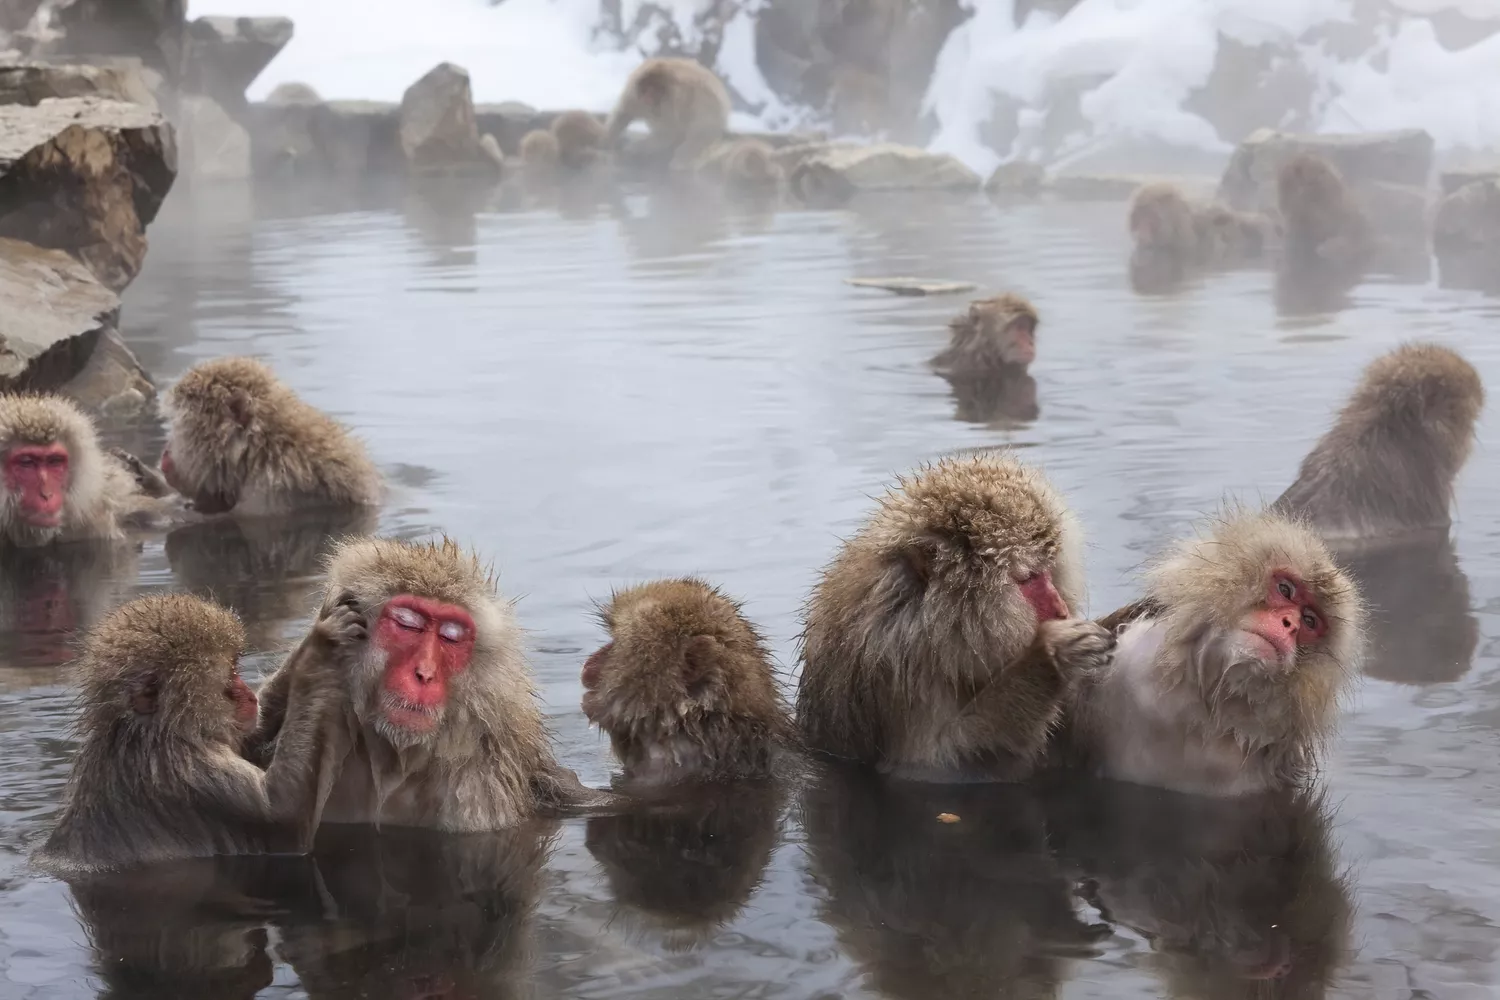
(664, 386)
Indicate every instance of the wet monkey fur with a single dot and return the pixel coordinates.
(684, 687)
(580, 139)
(942, 641)
(994, 335)
(683, 102)
(239, 439)
(1228, 675)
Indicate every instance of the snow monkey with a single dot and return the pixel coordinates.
(993, 336)
(580, 139)
(421, 711)
(683, 102)
(1228, 674)
(943, 640)
(59, 485)
(1327, 243)
(1175, 236)
(540, 153)
(240, 440)
(684, 687)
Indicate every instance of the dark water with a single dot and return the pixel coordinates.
(604, 395)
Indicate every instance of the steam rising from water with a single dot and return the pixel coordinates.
(1129, 66)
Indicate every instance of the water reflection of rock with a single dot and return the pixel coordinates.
(50, 596)
(266, 569)
(1237, 897)
(690, 864)
(410, 914)
(970, 908)
(1000, 399)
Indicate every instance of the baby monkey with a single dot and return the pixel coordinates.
(684, 686)
(1227, 676)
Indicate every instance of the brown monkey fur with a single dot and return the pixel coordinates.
(580, 139)
(487, 764)
(103, 497)
(1189, 703)
(1387, 465)
(922, 653)
(158, 773)
(540, 152)
(745, 166)
(995, 335)
(684, 103)
(684, 687)
(1170, 229)
(1326, 231)
(239, 439)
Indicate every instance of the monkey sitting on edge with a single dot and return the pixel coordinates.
(942, 642)
(684, 686)
(683, 102)
(1228, 674)
(159, 773)
(240, 440)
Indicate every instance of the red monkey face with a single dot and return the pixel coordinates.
(246, 707)
(1043, 597)
(37, 474)
(426, 644)
(1290, 619)
(169, 472)
(1018, 346)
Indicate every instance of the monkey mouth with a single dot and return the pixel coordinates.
(43, 518)
(1279, 647)
(410, 716)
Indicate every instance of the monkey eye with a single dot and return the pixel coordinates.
(1028, 577)
(1310, 620)
(1286, 589)
(408, 619)
(57, 461)
(27, 461)
(453, 632)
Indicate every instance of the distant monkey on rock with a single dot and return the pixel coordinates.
(943, 640)
(1228, 675)
(684, 687)
(683, 102)
(238, 439)
(994, 335)
(58, 484)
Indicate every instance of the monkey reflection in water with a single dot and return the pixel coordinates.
(942, 891)
(1237, 898)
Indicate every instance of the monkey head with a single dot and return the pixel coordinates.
(216, 423)
(1161, 219)
(168, 664)
(437, 634)
(1009, 322)
(1273, 628)
(52, 465)
(540, 151)
(1427, 387)
(1308, 184)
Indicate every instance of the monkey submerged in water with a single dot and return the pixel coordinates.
(1228, 674)
(239, 440)
(995, 335)
(942, 642)
(684, 686)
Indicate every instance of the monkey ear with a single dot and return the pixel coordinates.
(698, 662)
(241, 408)
(144, 694)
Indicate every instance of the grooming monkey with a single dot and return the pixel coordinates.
(941, 641)
(684, 687)
(1228, 674)
(683, 102)
(159, 773)
(59, 485)
(240, 440)
(422, 713)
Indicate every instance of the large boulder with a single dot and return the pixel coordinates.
(214, 146)
(58, 332)
(154, 30)
(308, 138)
(1466, 236)
(224, 55)
(831, 173)
(438, 130)
(33, 82)
(1249, 182)
(86, 176)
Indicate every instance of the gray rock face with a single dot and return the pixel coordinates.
(214, 146)
(438, 129)
(31, 83)
(311, 139)
(293, 93)
(1466, 236)
(154, 30)
(834, 173)
(1249, 182)
(224, 55)
(86, 176)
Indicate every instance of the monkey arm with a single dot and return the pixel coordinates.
(150, 481)
(1144, 608)
(273, 695)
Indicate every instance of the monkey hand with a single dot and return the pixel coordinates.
(344, 625)
(148, 480)
(1079, 647)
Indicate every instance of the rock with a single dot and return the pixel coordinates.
(1120, 187)
(1249, 182)
(1450, 181)
(154, 30)
(337, 138)
(509, 121)
(293, 93)
(112, 382)
(33, 82)
(214, 146)
(1466, 236)
(1399, 211)
(53, 312)
(1017, 178)
(86, 176)
(224, 55)
(836, 173)
(16, 14)
(438, 130)
(913, 286)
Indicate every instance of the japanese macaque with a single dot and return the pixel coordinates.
(1387, 465)
(239, 440)
(1175, 236)
(59, 485)
(1327, 242)
(1463, 236)
(419, 709)
(580, 139)
(540, 153)
(159, 773)
(942, 641)
(1228, 674)
(683, 102)
(684, 687)
(745, 167)
(995, 335)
